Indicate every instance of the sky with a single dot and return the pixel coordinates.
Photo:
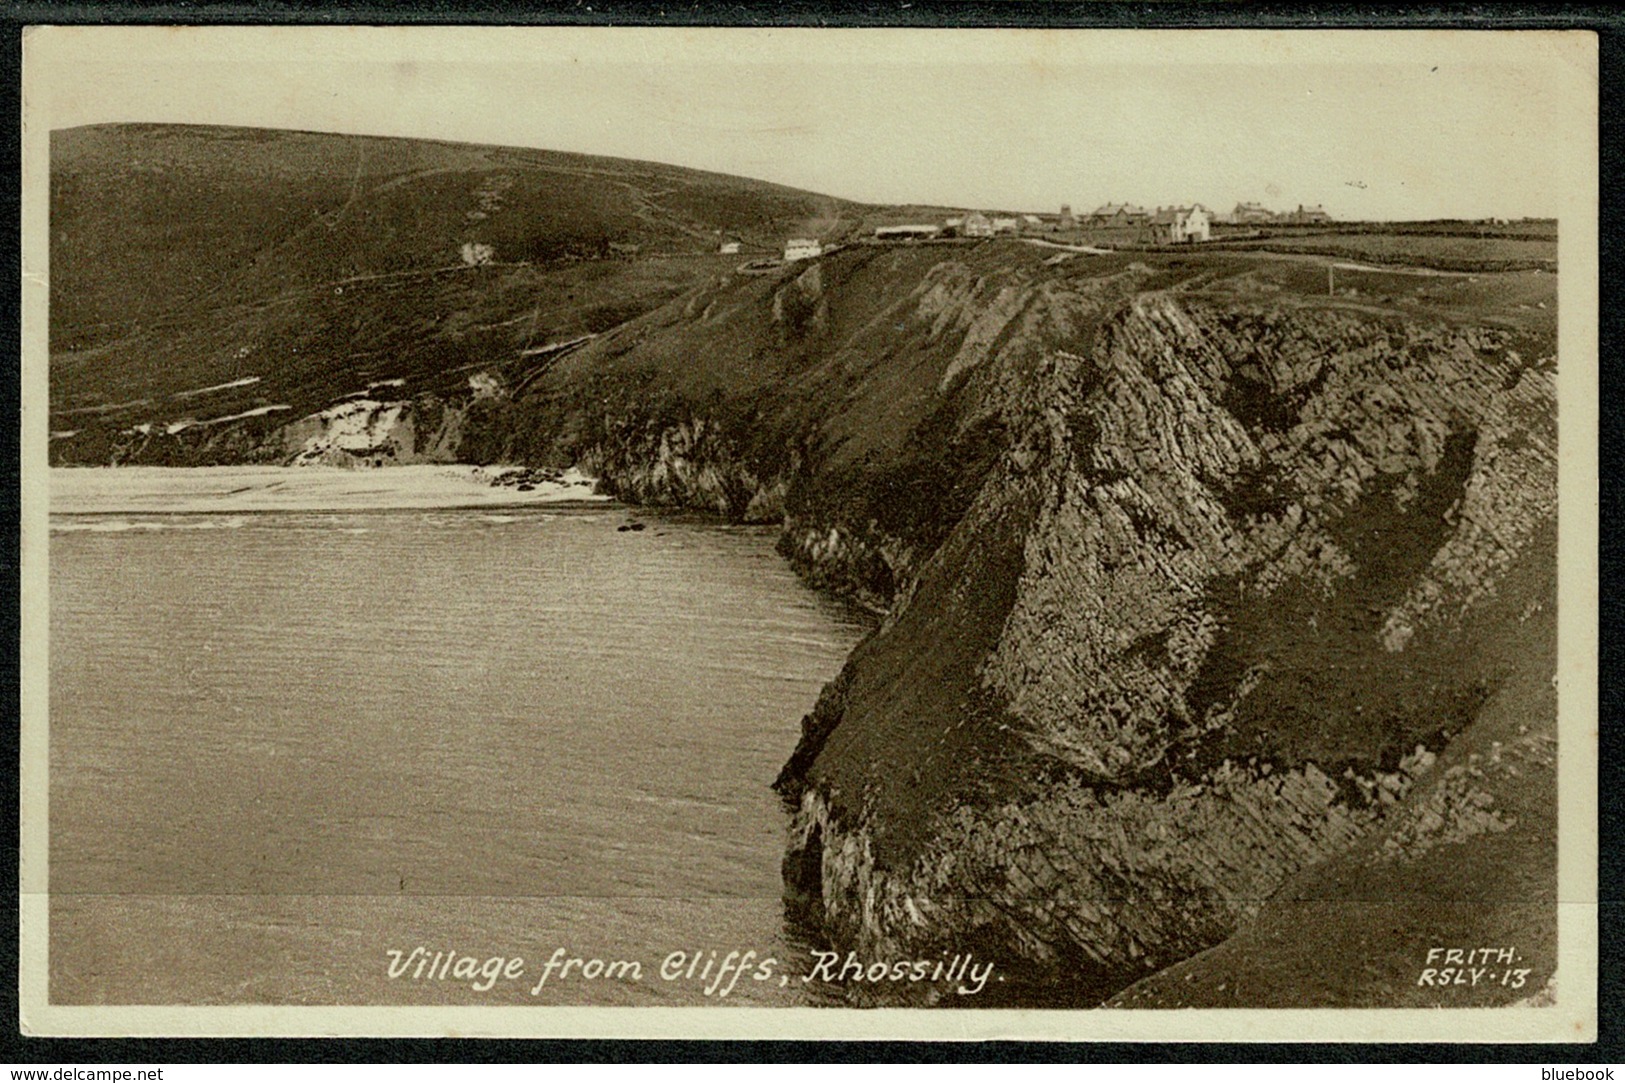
(1372, 125)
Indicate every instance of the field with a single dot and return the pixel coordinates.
(1436, 250)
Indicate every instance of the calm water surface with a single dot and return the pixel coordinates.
(285, 744)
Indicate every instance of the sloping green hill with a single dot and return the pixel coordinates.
(313, 264)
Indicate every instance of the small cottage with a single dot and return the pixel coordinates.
(1196, 224)
(801, 248)
(1181, 225)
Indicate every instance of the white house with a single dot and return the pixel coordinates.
(801, 248)
(1197, 224)
(1006, 225)
(1181, 225)
(729, 248)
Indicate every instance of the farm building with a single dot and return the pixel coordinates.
(1305, 216)
(1118, 216)
(729, 248)
(1067, 222)
(1006, 225)
(476, 254)
(801, 248)
(1247, 214)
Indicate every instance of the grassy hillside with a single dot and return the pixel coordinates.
(188, 257)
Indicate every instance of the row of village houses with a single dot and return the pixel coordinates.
(1165, 225)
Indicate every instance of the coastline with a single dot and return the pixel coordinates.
(127, 490)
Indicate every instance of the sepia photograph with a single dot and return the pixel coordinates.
(842, 533)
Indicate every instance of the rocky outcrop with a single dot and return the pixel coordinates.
(861, 562)
(691, 463)
(371, 432)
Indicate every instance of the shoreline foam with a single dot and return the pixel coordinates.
(129, 490)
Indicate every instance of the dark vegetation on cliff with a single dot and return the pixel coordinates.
(1217, 611)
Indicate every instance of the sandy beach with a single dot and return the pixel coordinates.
(152, 489)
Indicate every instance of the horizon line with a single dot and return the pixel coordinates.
(984, 208)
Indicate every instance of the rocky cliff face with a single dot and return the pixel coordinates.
(1243, 571)
(1193, 584)
(372, 432)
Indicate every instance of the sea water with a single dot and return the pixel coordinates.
(353, 757)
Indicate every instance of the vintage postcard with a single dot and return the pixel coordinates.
(705, 533)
